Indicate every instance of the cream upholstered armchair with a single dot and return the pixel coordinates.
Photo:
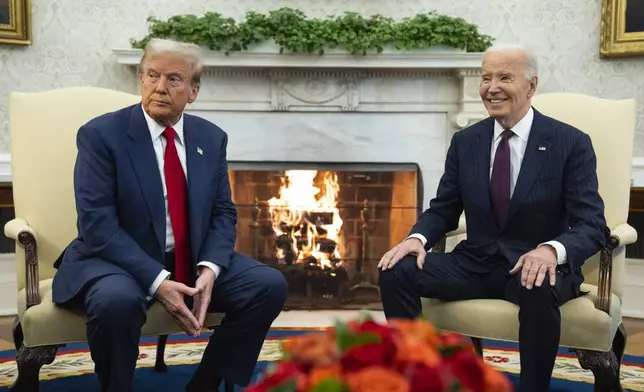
(43, 130)
(591, 325)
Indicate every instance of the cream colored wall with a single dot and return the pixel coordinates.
(73, 41)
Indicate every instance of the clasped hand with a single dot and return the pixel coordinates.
(170, 295)
(535, 264)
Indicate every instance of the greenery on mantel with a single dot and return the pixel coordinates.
(294, 32)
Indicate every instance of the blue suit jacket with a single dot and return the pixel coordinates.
(120, 205)
(555, 198)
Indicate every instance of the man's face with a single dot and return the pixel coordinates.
(166, 87)
(504, 89)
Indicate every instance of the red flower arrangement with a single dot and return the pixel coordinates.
(365, 356)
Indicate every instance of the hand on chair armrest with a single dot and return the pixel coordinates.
(460, 230)
(14, 227)
(625, 234)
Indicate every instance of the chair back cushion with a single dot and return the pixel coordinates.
(611, 127)
(43, 129)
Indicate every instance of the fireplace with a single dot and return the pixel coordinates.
(325, 226)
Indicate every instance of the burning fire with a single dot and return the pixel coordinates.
(307, 219)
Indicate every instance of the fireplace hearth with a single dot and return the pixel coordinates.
(325, 227)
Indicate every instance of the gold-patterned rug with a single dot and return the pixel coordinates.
(76, 361)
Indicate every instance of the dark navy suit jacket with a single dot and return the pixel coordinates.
(120, 205)
(555, 198)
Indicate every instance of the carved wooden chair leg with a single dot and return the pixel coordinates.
(30, 360)
(619, 346)
(159, 364)
(478, 346)
(606, 366)
(17, 333)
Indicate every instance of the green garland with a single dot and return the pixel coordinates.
(295, 32)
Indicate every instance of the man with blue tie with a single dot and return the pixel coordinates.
(156, 222)
(528, 186)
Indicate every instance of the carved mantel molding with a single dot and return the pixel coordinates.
(419, 60)
(336, 81)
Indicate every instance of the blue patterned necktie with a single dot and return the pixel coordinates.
(500, 181)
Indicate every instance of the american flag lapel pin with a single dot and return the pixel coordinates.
(199, 151)
(542, 148)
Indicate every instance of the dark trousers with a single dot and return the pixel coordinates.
(447, 277)
(251, 294)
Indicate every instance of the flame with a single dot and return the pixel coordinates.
(298, 203)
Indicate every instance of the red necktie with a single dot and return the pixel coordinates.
(500, 181)
(176, 186)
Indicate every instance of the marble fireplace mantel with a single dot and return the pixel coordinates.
(462, 67)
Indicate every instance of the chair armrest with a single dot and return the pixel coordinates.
(15, 227)
(625, 234)
(621, 235)
(461, 229)
(23, 234)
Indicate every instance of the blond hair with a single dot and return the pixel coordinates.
(191, 53)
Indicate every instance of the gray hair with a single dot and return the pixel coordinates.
(191, 53)
(531, 63)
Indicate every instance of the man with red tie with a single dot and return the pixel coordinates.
(528, 186)
(156, 222)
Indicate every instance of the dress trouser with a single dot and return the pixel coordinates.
(251, 294)
(445, 276)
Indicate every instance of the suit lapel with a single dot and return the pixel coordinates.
(196, 158)
(536, 153)
(144, 161)
(482, 148)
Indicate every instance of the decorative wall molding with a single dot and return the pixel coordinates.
(8, 285)
(634, 289)
(287, 92)
(5, 167)
(637, 176)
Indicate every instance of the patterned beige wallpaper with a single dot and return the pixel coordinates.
(73, 41)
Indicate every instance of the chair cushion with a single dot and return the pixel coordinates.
(49, 324)
(583, 326)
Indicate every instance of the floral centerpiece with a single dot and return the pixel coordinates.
(366, 356)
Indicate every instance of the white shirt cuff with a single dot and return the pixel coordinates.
(560, 250)
(163, 275)
(214, 267)
(419, 236)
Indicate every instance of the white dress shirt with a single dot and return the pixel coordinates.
(518, 144)
(159, 143)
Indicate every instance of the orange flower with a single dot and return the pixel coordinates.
(413, 351)
(377, 379)
(495, 381)
(312, 349)
(321, 373)
(416, 329)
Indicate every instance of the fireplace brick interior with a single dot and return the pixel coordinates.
(385, 201)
